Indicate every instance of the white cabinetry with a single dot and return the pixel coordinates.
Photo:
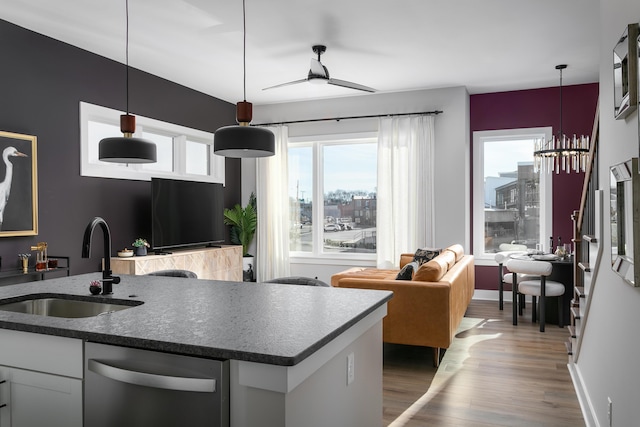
(41, 379)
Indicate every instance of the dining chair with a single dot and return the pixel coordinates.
(540, 287)
(501, 258)
(512, 247)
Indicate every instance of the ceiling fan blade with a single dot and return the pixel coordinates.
(286, 84)
(317, 69)
(350, 85)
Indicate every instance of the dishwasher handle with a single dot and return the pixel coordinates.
(205, 385)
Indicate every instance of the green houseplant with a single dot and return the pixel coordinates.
(141, 246)
(243, 222)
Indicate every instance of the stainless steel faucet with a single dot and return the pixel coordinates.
(107, 278)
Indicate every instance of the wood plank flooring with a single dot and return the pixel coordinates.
(495, 374)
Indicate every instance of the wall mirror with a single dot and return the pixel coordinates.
(625, 72)
(625, 220)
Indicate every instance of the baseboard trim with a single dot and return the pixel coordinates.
(588, 411)
(490, 295)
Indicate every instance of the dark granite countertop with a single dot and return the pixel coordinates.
(264, 323)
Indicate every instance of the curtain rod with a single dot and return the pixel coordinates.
(429, 113)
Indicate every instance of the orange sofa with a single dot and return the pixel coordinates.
(426, 310)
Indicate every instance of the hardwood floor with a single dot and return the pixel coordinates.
(494, 374)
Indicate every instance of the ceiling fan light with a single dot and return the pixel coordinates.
(318, 80)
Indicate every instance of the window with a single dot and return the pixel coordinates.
(512, 202)
(183, 153)
(332, 193)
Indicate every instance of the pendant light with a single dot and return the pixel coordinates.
(244, 140)
(561, 153)
(127, 149)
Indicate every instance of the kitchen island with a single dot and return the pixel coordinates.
(298, 355)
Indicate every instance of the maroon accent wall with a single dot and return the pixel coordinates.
(43, 81)
(539, 108)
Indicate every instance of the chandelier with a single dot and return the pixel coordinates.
(562, 152)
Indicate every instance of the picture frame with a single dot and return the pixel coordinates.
(625, 220)
(18, 185)
(625, 72)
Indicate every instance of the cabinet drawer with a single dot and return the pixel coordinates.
(37, 399)
(45, 353)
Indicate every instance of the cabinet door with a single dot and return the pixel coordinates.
(37, 399)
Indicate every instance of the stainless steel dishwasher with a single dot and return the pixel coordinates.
(131, 387)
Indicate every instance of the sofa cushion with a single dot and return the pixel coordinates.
(449, 257)
(407, 271)
(365, 273)
(432, 271)
(458, 250)
(425, 255)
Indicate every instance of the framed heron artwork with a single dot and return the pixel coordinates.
(18, 185)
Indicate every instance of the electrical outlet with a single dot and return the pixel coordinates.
(610, 411)
(351, 367)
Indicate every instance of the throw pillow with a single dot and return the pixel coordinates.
(407, 271)
(425, 255)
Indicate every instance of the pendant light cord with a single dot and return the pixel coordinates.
(127, 52)
(561, 133)
(244, 50)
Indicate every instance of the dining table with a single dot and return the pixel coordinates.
(562, 272)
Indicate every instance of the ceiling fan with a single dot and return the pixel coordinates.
(318, 74)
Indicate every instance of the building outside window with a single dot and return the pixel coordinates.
(332, 193)
(512, 202)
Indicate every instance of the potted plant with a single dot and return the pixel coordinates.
(243, 222)
(141, 246)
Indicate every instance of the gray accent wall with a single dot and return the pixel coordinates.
(42, 82)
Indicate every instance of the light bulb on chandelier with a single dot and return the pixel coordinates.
(561, 153)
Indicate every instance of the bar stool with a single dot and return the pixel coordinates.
(536, 288)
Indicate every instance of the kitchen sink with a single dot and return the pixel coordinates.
(63, 305)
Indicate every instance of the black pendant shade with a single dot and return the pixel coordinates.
(244, 141)
(127, 149)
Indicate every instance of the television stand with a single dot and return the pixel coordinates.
(162, 253)
(224, 263)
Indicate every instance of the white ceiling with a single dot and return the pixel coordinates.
(393, 45)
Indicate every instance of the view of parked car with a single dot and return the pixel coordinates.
(331, 227)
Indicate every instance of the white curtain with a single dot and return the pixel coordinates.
(405, 187)
(272, 199)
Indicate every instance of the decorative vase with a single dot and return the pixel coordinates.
(248, 274)
(141, 251)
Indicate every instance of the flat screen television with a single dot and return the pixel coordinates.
(186, 213)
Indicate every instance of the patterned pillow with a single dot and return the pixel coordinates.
(407, 271)
(425, 255)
